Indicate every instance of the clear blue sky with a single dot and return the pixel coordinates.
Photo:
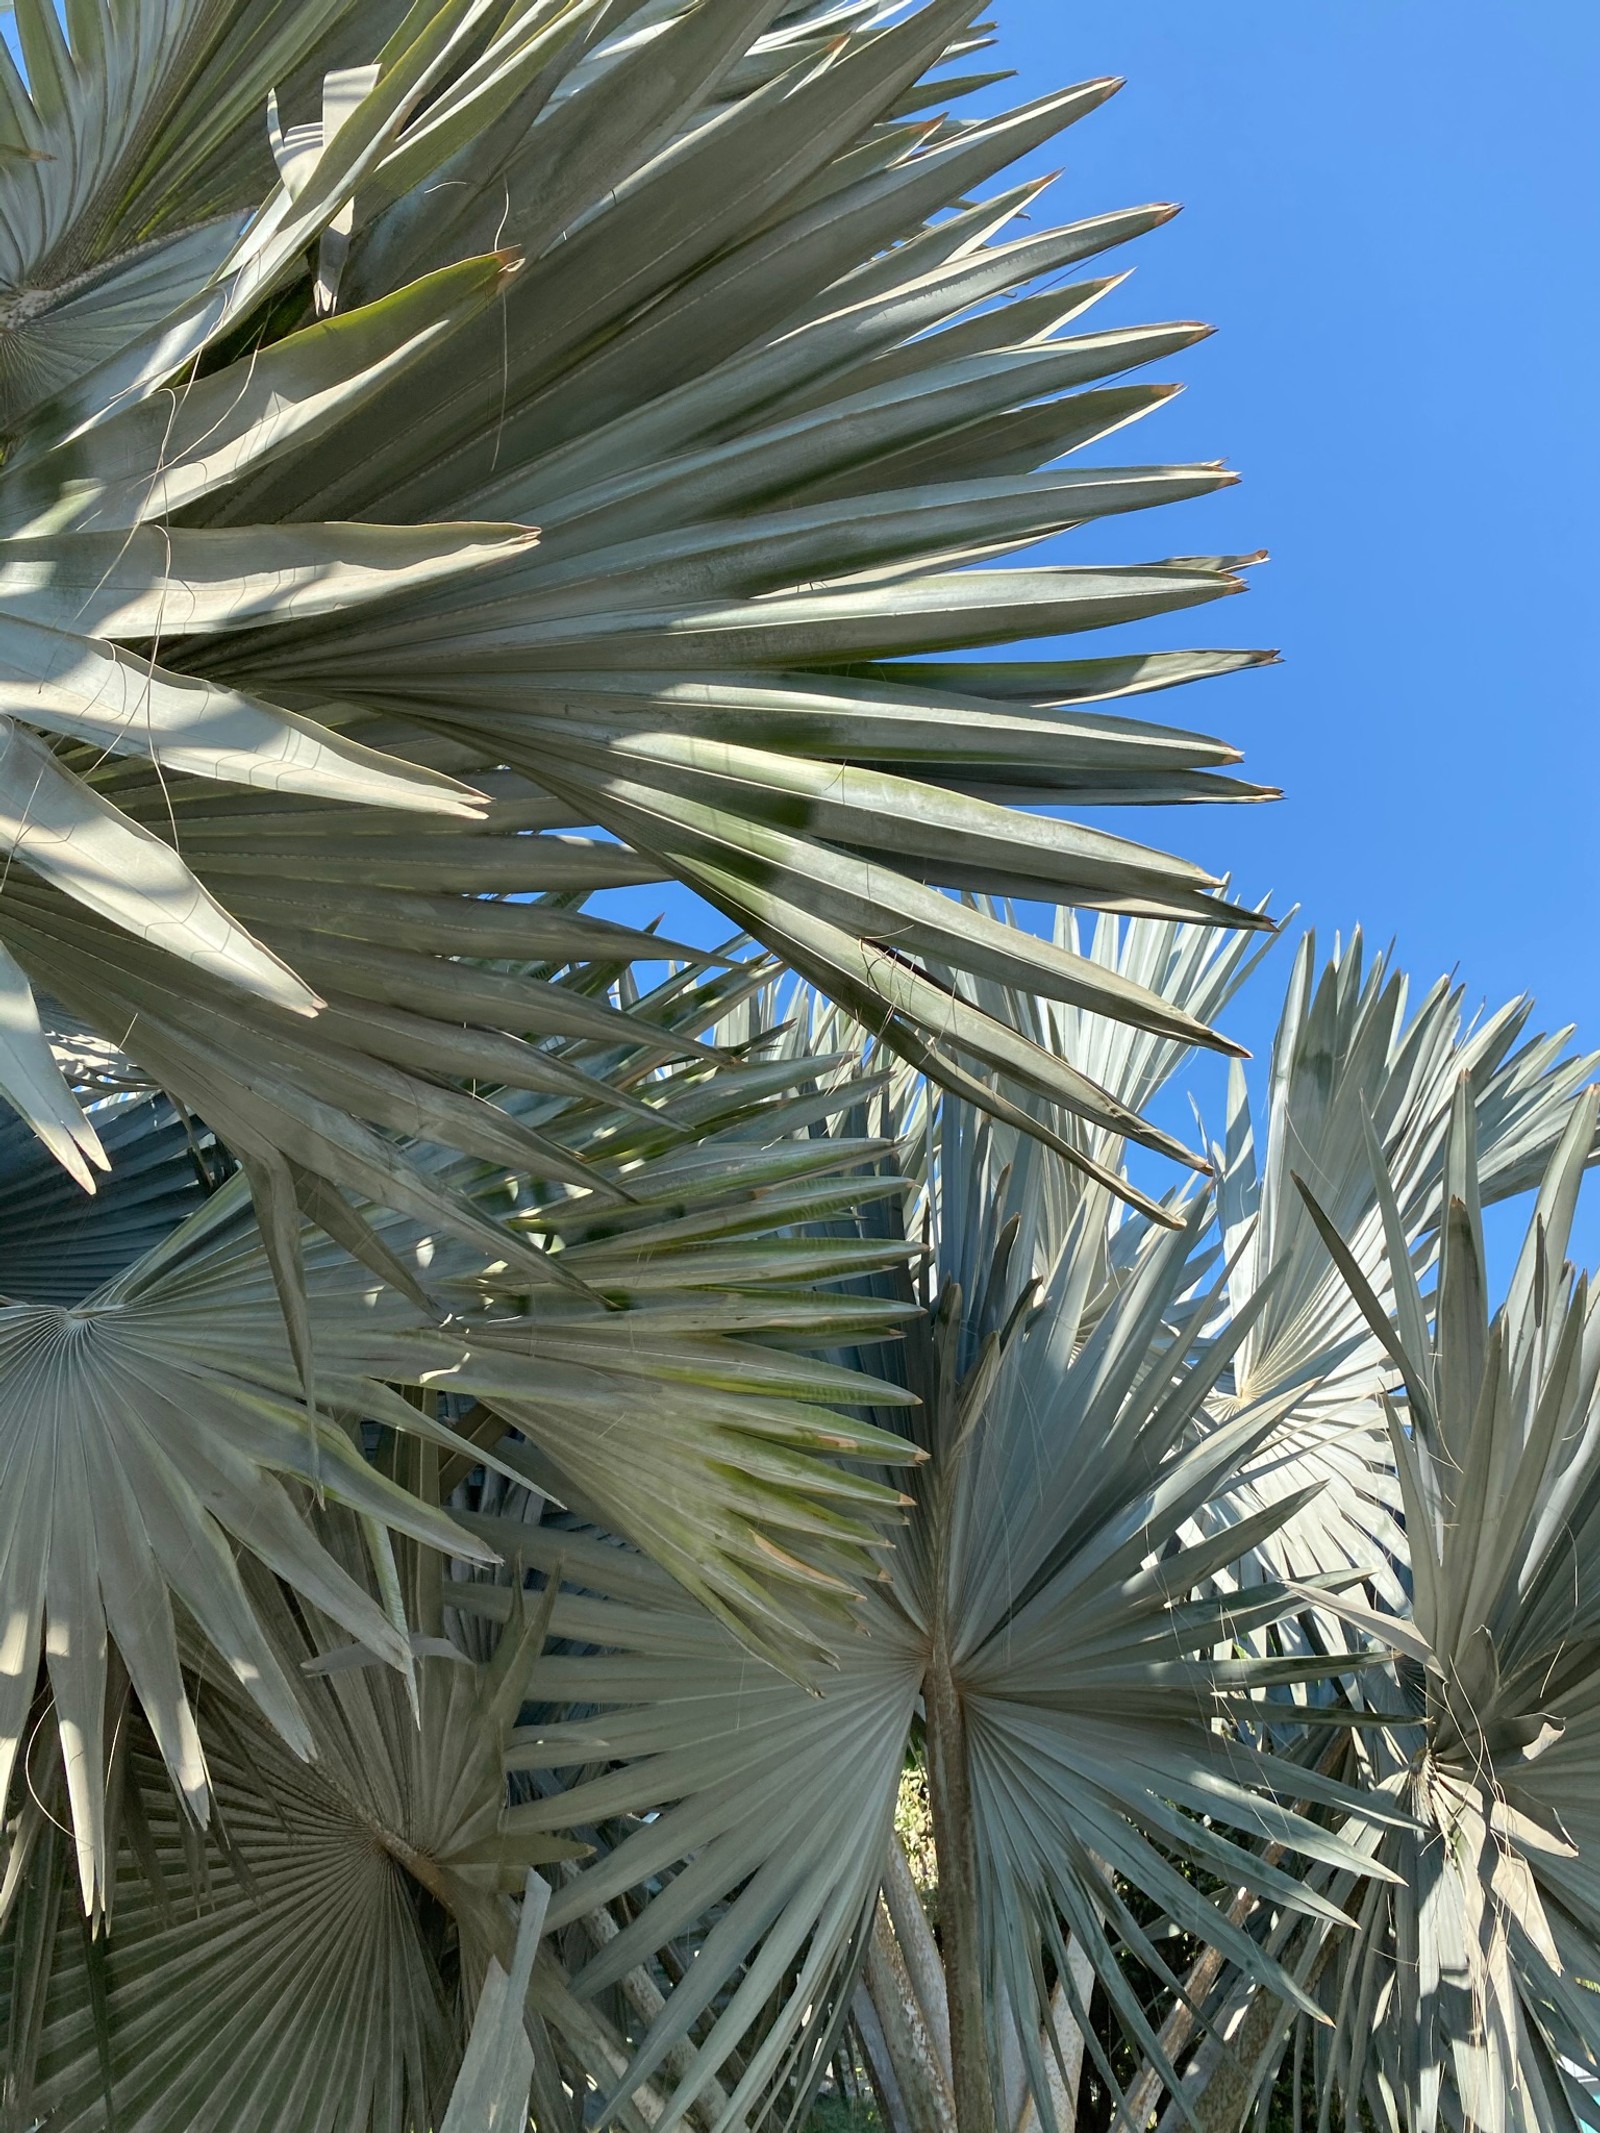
(1392, 213)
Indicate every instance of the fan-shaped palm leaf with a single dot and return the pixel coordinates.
(307, 1963)
(1353, 1069)
(159, 1422)
(1023, 1404)
(1465, 1993)
(750, 385)
(1066, 1678)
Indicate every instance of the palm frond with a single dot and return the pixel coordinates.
(1100, 1728)
(1359, 1079)
(753, 383)
(1462, 1995)
(309, 1961)
(163, 1419)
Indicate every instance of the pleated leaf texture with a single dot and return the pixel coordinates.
(1130, 1545)
(1358, 1061)
(158, 1428)
(431, 432)
(1467, 1994)
(1160, 1514)
(313, 1960)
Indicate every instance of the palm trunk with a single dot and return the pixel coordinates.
(1065, 2074)
(950, 1797)
(647, 2000)
(903, 2037)
(919, 1950)
(879, 2061)
(1177, 2031)
(1225, 2076)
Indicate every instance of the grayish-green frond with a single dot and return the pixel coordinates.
(695, 293)
(1101, 1724)
(1464, 1997)
(1357, 1078)
(307, 1963)
(161, 1421)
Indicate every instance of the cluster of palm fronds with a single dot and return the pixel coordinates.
(515, 1435)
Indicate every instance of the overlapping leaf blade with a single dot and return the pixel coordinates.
(170, 1412)
(740, 289)
(1355, 1074)
(1099, 1715)
(747, 139)
(294, 1962)
(1461, 1998)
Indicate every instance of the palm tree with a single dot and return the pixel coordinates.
(583, 430)
(1150, 1640)
(258, 1771)
(430, 432)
